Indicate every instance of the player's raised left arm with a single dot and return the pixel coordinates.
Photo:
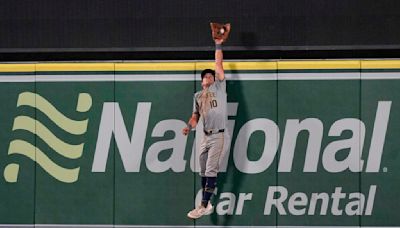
(219, 68)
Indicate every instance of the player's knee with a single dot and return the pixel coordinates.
(211, 172)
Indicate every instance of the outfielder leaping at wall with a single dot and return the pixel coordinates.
(210, 104)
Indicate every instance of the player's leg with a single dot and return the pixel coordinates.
(203, 162)
(216, 144)
(200, 210)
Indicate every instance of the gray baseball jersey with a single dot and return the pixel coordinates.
(211, 105)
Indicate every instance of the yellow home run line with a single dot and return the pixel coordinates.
(171, 66)
(12, 67)
(380, 64)
(37, 128)
(75, 67)
(188, 66)
(239, 65)
(193, 66)
(311, 65)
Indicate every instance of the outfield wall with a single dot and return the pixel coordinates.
(309, 143)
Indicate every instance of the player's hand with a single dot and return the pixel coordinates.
(218, 41)
(185, 131)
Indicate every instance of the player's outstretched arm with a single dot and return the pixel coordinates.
(191, 124)
(219, 68)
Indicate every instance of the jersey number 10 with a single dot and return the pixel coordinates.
(213, 103)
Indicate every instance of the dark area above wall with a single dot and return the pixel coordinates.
(174, 29)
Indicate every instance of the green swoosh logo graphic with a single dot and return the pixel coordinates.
(71, 126)
(70, 151)
(35, 154)
(37, 128)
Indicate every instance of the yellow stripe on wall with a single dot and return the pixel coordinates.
(321, 64)
(155, 66)
(198, 66)
(75, 67)
(380, 64)
(272, 65)
(12, 67)
(194, 66)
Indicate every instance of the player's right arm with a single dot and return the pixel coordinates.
(191, 124)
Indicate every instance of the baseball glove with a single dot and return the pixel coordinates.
(220, 31)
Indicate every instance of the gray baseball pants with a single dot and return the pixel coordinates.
(210, 152)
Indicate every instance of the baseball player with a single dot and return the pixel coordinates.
(210, 104)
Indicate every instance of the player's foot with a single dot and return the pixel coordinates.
(200, 211)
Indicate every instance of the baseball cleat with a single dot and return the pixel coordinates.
(200, 211)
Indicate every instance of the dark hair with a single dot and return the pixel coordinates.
(206, 71)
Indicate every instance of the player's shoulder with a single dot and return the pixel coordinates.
(220, 81)
(223, 81)
(220, 84)
(197, 94)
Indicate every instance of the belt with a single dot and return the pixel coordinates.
(210, 132)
